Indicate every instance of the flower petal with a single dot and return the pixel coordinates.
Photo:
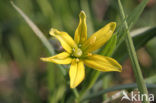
(65, 39)
(81, 31)
(102, 63)
(62, 58)
(99, 38)
(76, 73)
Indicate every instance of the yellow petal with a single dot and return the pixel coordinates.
(62, 58)
(76, 73)
(81, 31)
(102, 63)
(65, 39)
(99, 38)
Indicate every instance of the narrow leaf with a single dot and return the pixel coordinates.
(139, 39)
(115, 88)
(35, 29)
(38, 33)
(136, 13)
(131, 20)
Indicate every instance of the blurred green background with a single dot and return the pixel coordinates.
(26, 79)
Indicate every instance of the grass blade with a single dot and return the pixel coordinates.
(139, 39)
(131, 20)
(35, 29)
(115, 88)
(134, 60)
(136, 13)
(38, 33)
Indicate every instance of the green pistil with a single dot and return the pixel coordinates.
(77, 52)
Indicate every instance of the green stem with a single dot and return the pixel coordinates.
(136, 67)
(76, 95)
(90, 85)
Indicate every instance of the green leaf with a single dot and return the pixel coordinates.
(35, 29)
(134, 16)
(150, 83)
(139, 39)
(131, 20)
(18, 51)
(115, 88)
(38, 33)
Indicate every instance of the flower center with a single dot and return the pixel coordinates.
(77, 52)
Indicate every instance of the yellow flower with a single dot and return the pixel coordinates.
(79, 51)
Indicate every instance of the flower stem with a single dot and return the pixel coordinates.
(76, 93)
(136, 67)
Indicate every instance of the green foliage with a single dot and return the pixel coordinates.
(140, 39)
